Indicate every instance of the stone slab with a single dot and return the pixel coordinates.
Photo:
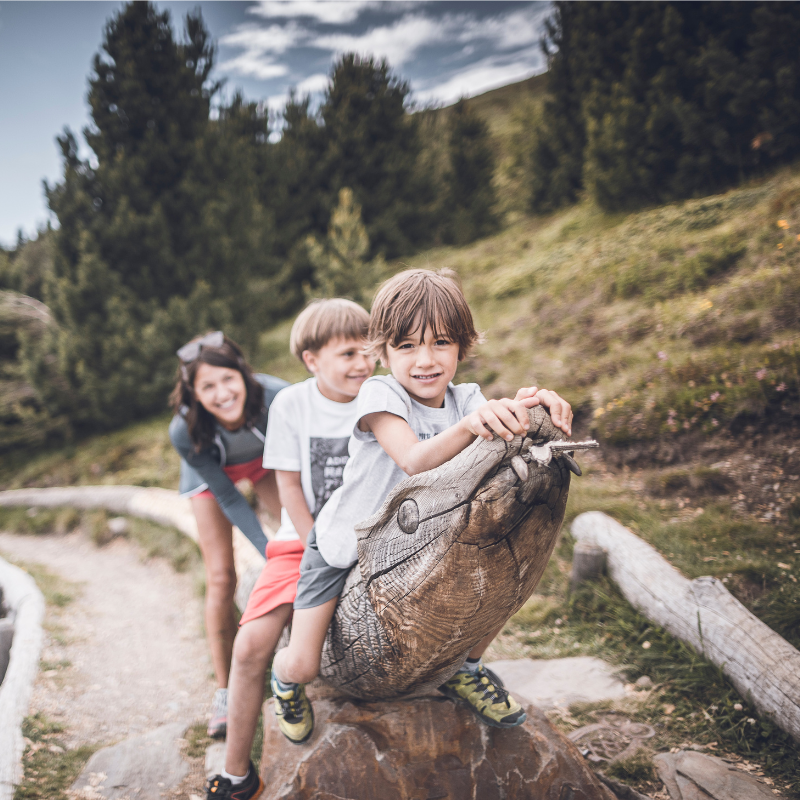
(421, 748)
(560, 682)
(140, 768)
(215, 759)
(689, 775)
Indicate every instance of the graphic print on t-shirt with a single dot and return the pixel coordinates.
(328, 457)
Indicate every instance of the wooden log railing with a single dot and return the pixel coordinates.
(762, 666)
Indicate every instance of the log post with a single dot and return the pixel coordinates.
(588, 563)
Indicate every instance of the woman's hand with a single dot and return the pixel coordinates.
(560, 410)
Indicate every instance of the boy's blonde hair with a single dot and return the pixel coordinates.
(418, 299)
(323, 320)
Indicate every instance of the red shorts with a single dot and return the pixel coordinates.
(277, 583)
(252, 470)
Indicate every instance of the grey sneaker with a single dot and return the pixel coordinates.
(218, 724)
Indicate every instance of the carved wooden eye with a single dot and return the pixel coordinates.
(408, 516)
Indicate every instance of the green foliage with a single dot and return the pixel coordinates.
(655, 101)
(340, 268)
(156, 242)
(469, 193)
(372, 146)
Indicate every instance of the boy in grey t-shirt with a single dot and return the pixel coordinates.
(409, 422)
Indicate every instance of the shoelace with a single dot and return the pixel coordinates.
(490, 691)
(290, 709)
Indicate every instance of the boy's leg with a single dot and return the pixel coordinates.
(252, 650)
(483, 691)
(299, 662)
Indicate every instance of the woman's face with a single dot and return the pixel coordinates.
(221, 392)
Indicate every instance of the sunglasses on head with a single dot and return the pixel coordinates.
(191, 350)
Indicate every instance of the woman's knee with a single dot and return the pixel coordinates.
(251, 649)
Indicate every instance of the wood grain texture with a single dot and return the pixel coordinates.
(27, 604)
(762, 665)
(417, 602)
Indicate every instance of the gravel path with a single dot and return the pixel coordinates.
(131, 644)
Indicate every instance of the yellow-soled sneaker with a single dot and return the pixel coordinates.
(294, 712)
(486, 697)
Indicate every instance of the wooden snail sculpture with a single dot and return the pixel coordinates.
(451, 555)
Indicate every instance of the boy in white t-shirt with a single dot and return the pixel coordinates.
(306, 444)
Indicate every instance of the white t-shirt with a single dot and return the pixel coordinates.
(308, 433)
(371, 473)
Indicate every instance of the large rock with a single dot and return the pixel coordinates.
(140, 768)
(689, 775)
(421, 748)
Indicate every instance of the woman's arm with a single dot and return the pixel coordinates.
(290, 490)
(230, 499)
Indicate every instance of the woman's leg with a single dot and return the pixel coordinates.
(267, 493)
(299, 662)
(484, 643)
(255, 643)
(216, 545)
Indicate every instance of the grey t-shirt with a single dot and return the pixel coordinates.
(371, 473)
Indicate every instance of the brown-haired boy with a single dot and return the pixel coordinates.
(306, 444)
(420, 327)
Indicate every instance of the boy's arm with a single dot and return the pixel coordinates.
(505, 417)
(290, 490)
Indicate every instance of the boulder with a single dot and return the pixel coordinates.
(421, 748)
(689, 775)
(142, 767)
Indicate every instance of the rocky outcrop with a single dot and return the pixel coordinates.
(421, 748)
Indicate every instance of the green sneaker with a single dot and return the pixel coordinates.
(294, 712)
(490, 701)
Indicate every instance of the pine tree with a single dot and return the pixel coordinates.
(159, 239)
(372, 145)
(470, 193)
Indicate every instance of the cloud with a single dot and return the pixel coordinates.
(489, 73)
(507, 31)
(313, 83)
(397, 42)
(331, 12)
(259, 44)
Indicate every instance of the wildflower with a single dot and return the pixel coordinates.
(662, 356)
(780, 246)
(714, 422)
(781, 387)
(714, 397)
(599, 412)
(761, 374)
(646, 645)
(706, 304)
(782, 223)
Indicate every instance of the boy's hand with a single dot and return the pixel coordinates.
(505, 417)
(560, 410)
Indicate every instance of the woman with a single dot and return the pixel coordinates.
(218, 429)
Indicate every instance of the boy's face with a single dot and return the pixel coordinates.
(340, 368)
(424, 367)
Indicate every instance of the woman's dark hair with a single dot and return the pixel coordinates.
(202, 423)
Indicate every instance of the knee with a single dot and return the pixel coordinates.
(250, 651)
(298, 667)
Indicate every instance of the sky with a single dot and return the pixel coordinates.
(445, 50)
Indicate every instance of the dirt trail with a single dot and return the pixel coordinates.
(131, 643)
